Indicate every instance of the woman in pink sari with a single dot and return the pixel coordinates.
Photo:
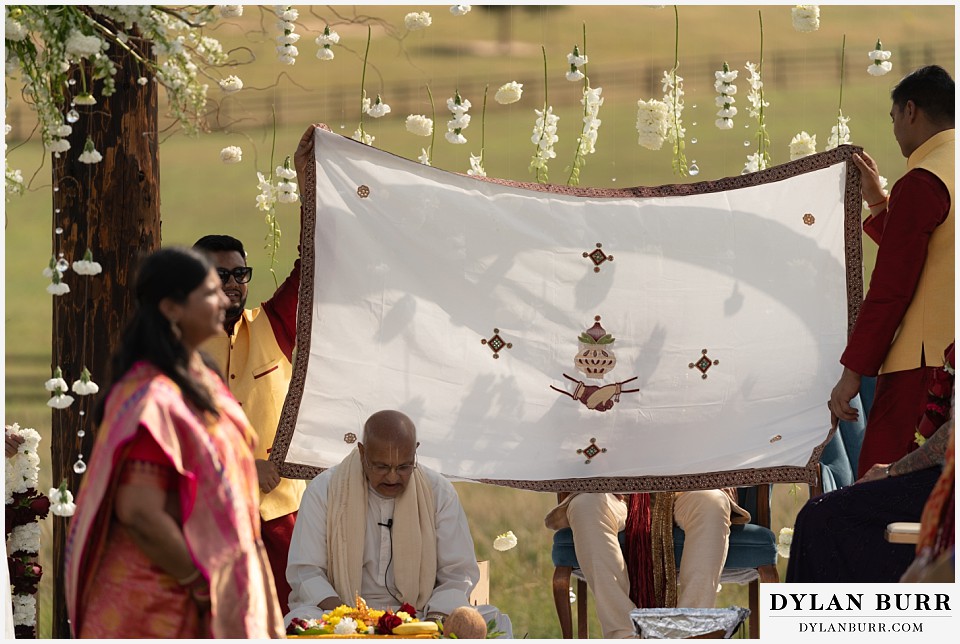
(166, 538)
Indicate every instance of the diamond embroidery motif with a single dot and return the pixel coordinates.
(496, 343)
(598, 257)
(703, 364)
(591, 450)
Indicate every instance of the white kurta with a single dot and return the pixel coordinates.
(457, 571)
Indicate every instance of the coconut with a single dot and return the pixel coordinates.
(466, 623)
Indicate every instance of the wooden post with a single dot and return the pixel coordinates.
(113, 208)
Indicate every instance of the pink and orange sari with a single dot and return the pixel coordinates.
(112, 589)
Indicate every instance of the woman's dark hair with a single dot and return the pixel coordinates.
(173, 273)
(931, 89)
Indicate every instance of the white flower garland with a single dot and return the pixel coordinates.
(725, 100)
(652, 123)
(881, 60)
(802, 145)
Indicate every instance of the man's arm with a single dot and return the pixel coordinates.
(281, 310)
(919, 203)
(307, 561)
(457, 571)
(932, 452)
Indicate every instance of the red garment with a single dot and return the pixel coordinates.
(919, 202)
(281, 310)
(276, 535)
(899, 403)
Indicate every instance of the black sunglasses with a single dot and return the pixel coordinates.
(241, 274)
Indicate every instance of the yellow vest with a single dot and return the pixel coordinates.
(258, 375)
(928, 325)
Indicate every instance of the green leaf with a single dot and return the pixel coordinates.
(607, 339)
(587, 339)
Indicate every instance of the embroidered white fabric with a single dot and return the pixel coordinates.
(418, 271)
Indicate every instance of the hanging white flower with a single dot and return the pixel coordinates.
(63, 130)
(509, 93)
(806, 17)
(458, 107)
(802, 145)
(476, 166)
(726, 89)
(424, 157)
(57, 145)
(56, 382)
(754, 163)
(81, 45)
(231, 84)
(784, 539)
(652, 118)
(576, 61)
(60, 401)
(57, 287)
(591, 101)
(505, 541)
(286, 51)
(84, 98)
(755, 95)
(53, 266)
(231, 10)
(231, 154)
(142, 80)
(87, 266)
(61, 501)
(325, 40)
(839, 133)
(85, 386)
(267, 199)
(363, 137)
(544, 137)
(460, 9)
(286, 191)
(15, 31)
(881, 60)
(419, 124)
(90, 154)
(379, 108)
(416, 21)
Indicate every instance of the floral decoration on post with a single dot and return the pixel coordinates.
(57, 286)
(90, 154)
(85, 386)
(87, 266)
(591, 101)
(460, 120)
(725, 100)
(806, 17)
(61, 500)
(760, 159)
(460, 9)
(802, 145)
(58, 387)
(25, 507)
(14, 177)
(544, 131)
(325, 40)
(881, 60)
(287, 51)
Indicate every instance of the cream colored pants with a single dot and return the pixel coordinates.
(704, 516)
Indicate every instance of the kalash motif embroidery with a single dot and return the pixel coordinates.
(594, 360)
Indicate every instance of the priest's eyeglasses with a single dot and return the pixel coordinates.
(241, 274)
(382, 469)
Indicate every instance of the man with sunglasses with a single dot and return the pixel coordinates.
(254, 355)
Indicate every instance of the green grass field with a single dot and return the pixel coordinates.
(199, 195)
